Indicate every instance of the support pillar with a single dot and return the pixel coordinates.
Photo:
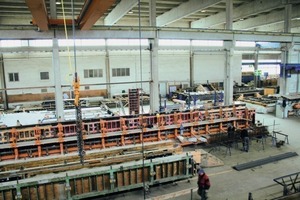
(229, 11)
(3, 97)
(255, 78)
(57, 80)
(107, 67)
(154, 85)
(192, 69)
(284, 60)
(287, 18)
(228, 79)
(285, 51)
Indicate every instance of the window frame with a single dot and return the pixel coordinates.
(44, 79)
(120, 72)
(13, 77)
(93, 73)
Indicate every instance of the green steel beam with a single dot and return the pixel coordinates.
(111, 171)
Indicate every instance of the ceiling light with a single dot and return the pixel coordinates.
(241, 19)
(130, 12)
(58, 3)
(203, 11)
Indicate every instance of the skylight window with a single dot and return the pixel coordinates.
(244, 44)
(40, 43)
(208, 43)
(165, 42)
(13, 43)
(127, 42)
(92, 42)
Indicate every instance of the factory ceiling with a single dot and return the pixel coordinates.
(253, 15)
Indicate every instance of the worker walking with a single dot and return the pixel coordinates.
(245, 139)
(203, 184)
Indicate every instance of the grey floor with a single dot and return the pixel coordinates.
(229, 184)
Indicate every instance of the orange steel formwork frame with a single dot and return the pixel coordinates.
(60, 138)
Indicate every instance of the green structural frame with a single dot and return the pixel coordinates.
(185, 171)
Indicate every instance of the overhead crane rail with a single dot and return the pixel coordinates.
(60, 138)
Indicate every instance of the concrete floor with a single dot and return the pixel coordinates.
(229, 184)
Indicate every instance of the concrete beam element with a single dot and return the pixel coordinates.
(228, 79)
(148, 32)
(152, 13)
(53, 10)
(245, 10)
(153, 47)
(263, 20)
(229, 14)
(287, 18)
(57, 80)
(39, 13)
(278, 27)
(119, 11)
(184, 10)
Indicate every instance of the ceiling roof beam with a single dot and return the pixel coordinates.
(262, 20)
(119, 11)
(183, 10)
(92, 11)
(39, 13)
(53, 12)
(164, 33)
(278, 27)
(253, 8)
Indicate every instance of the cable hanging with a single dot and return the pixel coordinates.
(67, 38)
(76, 86)
(145, 188)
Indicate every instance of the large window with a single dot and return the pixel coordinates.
(13, 77)
(120, 72)
(44, 75)
(93, 73)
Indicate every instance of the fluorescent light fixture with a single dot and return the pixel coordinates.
(130, 12)
(203, 11)
(58, 3)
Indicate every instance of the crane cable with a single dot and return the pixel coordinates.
(76, 85)
(145, 187)
(67, 38)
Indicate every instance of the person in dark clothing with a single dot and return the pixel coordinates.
(230, 134)
(230, 131)
(203, 184)
(245, 139)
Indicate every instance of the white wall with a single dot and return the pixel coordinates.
(211, 67)
(30, 65)
(132, 60)
(174, 68)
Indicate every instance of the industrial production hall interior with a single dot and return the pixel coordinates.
(129, 99)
